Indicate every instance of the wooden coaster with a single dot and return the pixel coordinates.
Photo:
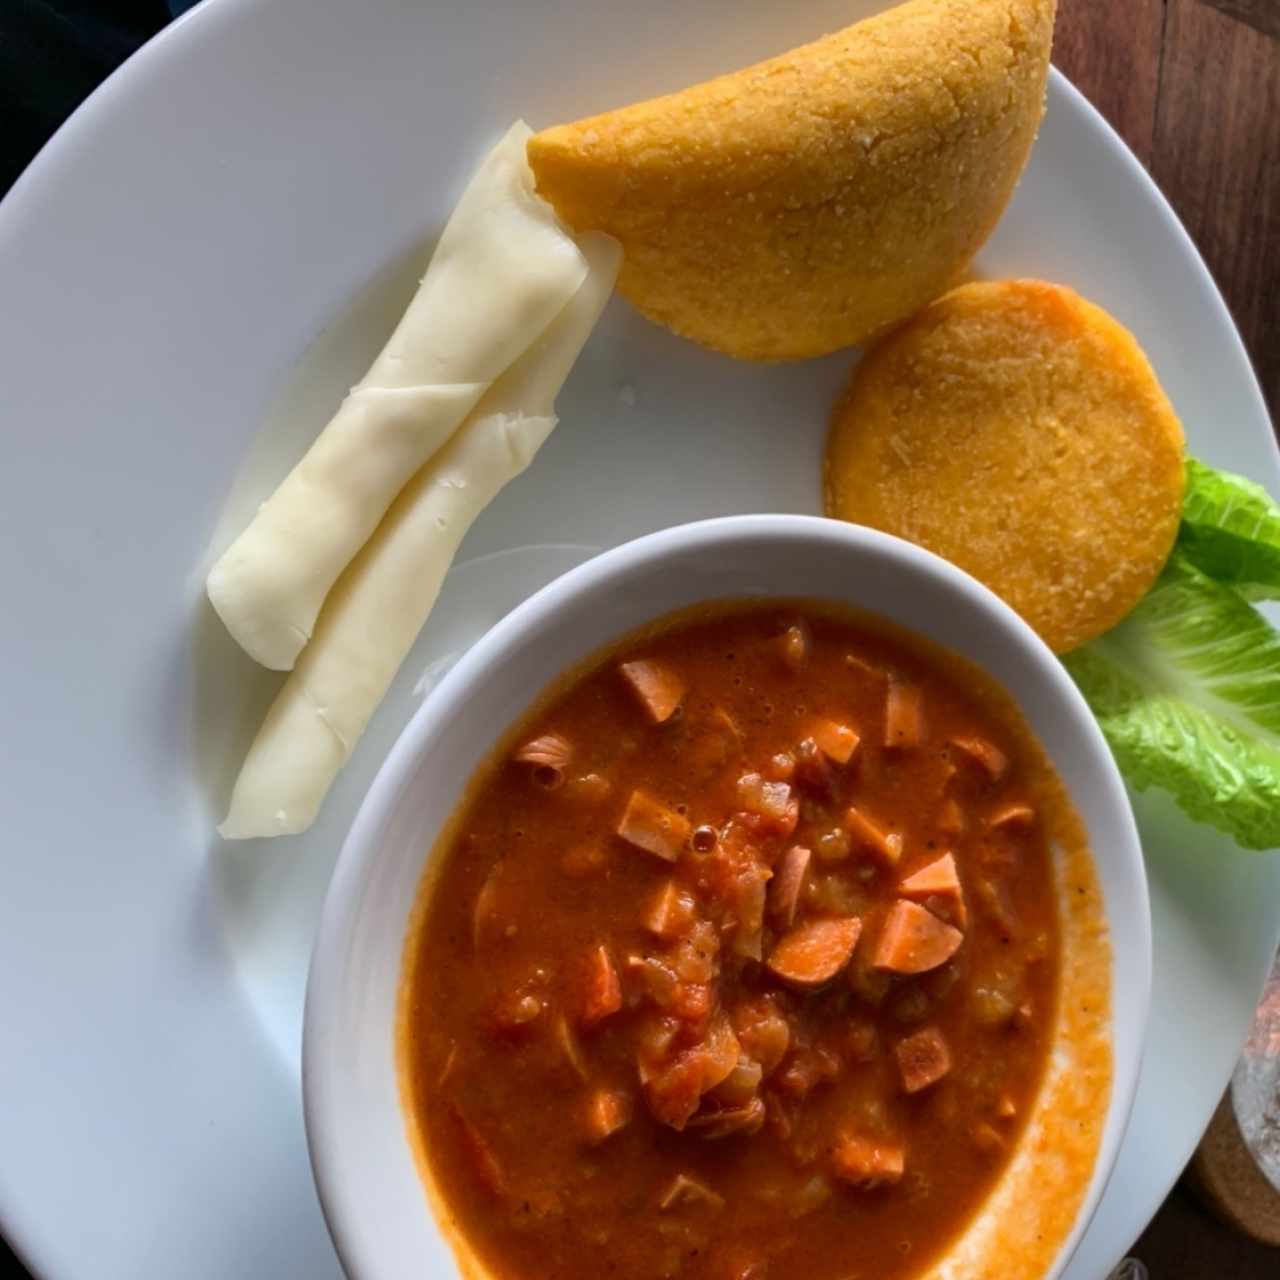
(1225, 1172)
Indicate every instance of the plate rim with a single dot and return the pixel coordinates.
(58, 156)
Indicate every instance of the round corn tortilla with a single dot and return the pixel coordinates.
(805, 204)
(1018, 431)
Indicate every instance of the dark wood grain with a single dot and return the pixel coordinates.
(1217, 158)
(1110, 50)
(1262, 14)
(1193, 86)
(1186, 1242)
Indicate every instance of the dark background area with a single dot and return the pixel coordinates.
(1193, 86)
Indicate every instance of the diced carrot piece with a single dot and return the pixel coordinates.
(787, 884)
(686, 1192)
(903, 715)
(914, 940)
(867, 1162)
(795, 644)
(483, 1161)
(649, 825)
(814, 952)
(670, 913)
(937, 886)
(837, 742)
(939, 877)
(923, 1059)
(1011, 816)
(607, 1111)
(602, 992)
(659, 689)
(950, 817)
(985, 754)
(888, 844)
(549, 755)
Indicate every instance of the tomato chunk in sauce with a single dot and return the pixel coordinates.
(739, 960)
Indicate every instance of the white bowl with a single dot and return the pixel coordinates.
(371, 1190)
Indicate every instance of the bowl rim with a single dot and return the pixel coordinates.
(361, 850)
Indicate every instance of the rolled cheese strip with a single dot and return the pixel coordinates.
(374, 613)
(503, 269)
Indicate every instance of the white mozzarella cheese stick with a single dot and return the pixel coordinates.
(374, 613)
(503, 269)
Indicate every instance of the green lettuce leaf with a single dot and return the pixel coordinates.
(1231, 530)
(1187, 692)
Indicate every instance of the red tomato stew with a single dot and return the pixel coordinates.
(739, 960)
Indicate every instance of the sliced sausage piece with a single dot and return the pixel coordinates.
(903, 715)
(986, 755)
(657, 687)
(787, 885)
(670, 914)
(549, 755)
(814, 952)
(649, 825)
(886, 844)
(914, 940)
(602, 992)
(923, 1059)
(686, 1192)
(837, 742)
(606, 1112)
(938, 886)
(867, 1162)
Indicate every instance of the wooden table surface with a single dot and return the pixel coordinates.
(1193, 86)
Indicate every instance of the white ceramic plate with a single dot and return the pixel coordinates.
(219, 240)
